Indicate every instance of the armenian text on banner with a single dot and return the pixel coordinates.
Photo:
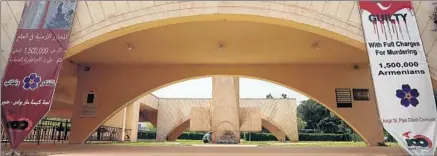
(400, 74)
(34, 65)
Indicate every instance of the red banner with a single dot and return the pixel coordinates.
(34, 65)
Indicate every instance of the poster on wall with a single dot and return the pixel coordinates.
(89, 107)
(400, 74)
(34, 65)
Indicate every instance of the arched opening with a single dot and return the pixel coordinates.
(178, 73)
(175, 130)
(297, 58)
(127, 32)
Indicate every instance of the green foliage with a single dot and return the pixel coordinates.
(344, 128)
(150, 127)
(312, 113)
(146, 135)
(260, 137)
(329, 125)
(191, 136)
(301, 124)
(307, 137)
(327, 137)
(264, 130)
(309, 131)
(321, 119)
(270, 96)
(263, 136)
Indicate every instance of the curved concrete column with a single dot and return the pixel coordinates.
(277, 113)
(174, 135)
(280, 135)
(172, 113)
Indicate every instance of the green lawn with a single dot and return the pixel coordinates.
(260, 143)
(156, 143)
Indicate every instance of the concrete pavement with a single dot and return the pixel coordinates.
(126, 150)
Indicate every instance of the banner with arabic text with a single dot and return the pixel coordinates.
(34, 65)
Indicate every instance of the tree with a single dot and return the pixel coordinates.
(150, 126)
(269, 96)
(312, 113)
(344, 128)
(328, 125)
(284, 96)
(264, 130)
(300, 124)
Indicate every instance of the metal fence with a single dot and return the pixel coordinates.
(109, 134)
(54, 130)
(144, 135)
(48, 130)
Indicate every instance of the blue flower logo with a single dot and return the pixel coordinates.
(31, 81)
(408, 96)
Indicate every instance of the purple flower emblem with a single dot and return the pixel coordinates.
(408, 96)
(31, 81)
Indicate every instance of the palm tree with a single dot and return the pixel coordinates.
(269, 96)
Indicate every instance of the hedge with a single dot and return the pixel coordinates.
(309, 131)
(191, 136)
(326, 137)
(306, 137)
(146, 135)
(264, 136)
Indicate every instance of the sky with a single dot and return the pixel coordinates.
(249, 88)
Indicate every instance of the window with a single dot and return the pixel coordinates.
(90, 98)
(361, 94)
(343, 96)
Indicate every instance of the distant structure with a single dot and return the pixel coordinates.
(225, 114)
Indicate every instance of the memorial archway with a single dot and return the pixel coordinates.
(173, 74)
(123, 68)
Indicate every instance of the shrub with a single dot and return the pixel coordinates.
(191, 136)
(321, 137)
(307, 137)
(260, 137)
(146, 135)
(309, 131)
(264, 136)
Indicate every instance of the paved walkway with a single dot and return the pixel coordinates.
(125, 150)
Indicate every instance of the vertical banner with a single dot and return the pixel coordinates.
(34, 64)
(400, 74)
